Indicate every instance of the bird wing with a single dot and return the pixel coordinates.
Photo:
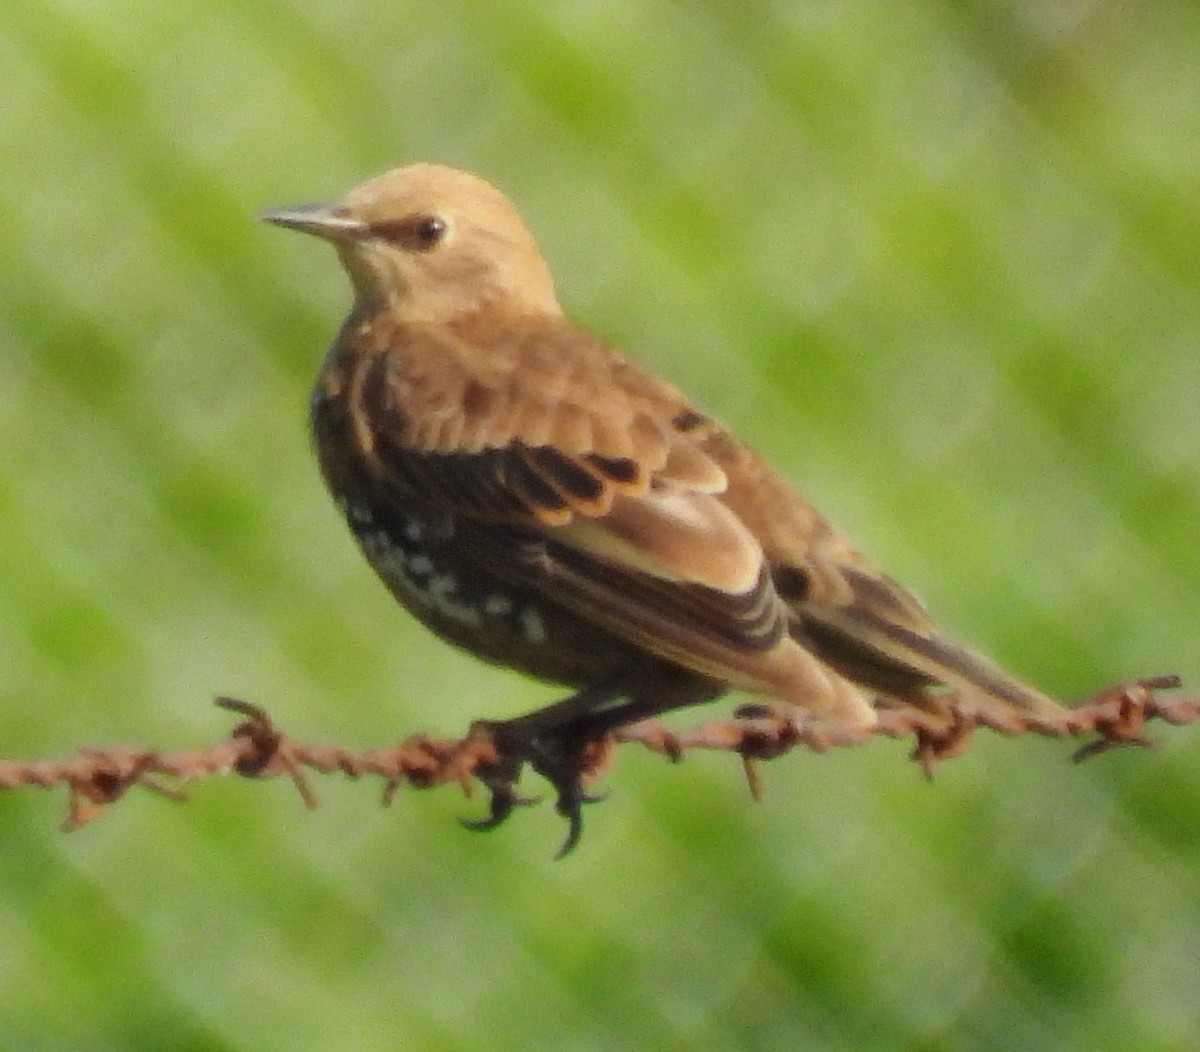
(653, 522)
(847, 612)
(586, 469)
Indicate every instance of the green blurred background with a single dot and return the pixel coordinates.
(939, 260)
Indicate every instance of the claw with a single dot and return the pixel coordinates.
(505, 800)
(562, 754)
(501, 781)
(563, 760)
(571, 799)
(574, 816)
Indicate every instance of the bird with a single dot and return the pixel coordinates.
(546, 503)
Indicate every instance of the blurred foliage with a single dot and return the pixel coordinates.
(938, 260)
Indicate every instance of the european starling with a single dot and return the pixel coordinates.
(545, 503)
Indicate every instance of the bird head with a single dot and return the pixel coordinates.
(430, 243)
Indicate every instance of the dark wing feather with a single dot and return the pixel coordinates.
(534, 422)
(883, 639)
(703, 628)
(584, 456)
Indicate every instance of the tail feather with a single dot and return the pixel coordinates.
(883, 647)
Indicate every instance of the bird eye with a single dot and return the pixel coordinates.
(427, 232)
(416, 233)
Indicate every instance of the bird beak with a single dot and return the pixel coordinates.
(332, 222)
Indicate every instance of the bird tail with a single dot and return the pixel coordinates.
(891, 647)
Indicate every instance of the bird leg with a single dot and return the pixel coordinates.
(555, 741)
(552, 740)
(500, 779)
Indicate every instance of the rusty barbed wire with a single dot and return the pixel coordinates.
(256, 748)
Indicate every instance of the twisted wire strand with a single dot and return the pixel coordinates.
(97, 778)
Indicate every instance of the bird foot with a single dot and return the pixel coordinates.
(500, 779)
(505, 799)
(563, 757)
(564, 768)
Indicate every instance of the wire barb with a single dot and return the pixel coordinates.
(256, 748)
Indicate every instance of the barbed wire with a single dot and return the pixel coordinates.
(256, 748)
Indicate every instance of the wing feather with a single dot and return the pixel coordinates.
(597, 472)
(646, 517)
